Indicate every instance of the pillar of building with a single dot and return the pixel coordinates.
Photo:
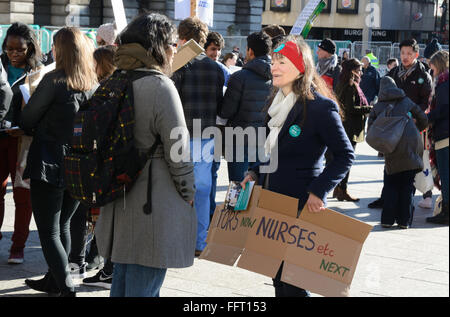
(12, 11)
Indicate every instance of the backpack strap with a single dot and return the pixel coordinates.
(148, 205)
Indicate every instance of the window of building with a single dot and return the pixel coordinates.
(347, 6)
(280, 5)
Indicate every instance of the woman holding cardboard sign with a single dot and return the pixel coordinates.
(303, 122)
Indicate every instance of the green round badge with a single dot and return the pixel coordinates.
(295, 130)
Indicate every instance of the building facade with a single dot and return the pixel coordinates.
(383, 20)
(231, 17)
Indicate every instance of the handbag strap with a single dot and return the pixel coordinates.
(147, 208)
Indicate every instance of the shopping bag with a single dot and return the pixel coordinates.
(424, 179)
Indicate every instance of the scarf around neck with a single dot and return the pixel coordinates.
(403, 73)
(325, 64)
(133, 56)
(278, 111)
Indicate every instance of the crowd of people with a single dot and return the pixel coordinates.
(310, 112)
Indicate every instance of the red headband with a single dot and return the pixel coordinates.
(291, 51)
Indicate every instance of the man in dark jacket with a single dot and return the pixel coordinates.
(411, 74)
(5, 93)
(412, 77)
(327, 66)
(370, 80)
(245, 98)
(200, 85)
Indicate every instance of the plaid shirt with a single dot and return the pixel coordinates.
(200, 85)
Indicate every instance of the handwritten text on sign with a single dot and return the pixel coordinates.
(286, 233)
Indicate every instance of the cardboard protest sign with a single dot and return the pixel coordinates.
(320, 251)
(185, 54)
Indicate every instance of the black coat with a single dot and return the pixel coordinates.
(417, 86)
(247, 94)
(354, 113)
(300, 158)
(370, 83)
(48, 117)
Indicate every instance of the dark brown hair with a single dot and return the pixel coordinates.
(104, 58)
(347, 67)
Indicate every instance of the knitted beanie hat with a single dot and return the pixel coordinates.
(328, 45)
(107, 32)
(432, 48)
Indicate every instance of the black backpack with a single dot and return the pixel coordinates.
(103, 163)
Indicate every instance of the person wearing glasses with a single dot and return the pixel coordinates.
(21, 57)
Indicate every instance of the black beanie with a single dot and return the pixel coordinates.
(431, 48)
(328, 45)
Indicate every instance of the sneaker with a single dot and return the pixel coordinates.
(77, 271)
(100, 279)
(426, 203)
(386, 226)
(15, 257)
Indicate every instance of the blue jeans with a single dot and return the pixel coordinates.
(442, 165)
(212, 197)
(202, 154)
(133, 280)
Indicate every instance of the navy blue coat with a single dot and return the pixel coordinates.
(370, 83)
(300, 158)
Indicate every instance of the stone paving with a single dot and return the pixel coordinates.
(393, 262)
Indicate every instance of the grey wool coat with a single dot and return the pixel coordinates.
(166, 237)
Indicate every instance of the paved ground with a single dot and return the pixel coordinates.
(393, 262)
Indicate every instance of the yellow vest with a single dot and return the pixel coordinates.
(373, 60)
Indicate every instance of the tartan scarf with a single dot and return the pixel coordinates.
(403, 73)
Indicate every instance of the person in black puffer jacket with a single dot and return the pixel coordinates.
(246, 96)
(402, 165)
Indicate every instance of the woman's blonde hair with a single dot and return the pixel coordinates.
(74, 56)
(440, 61)
(308, 83)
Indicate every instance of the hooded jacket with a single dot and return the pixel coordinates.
(408, 154)
(247, 94)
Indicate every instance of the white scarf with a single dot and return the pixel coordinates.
(278, 111)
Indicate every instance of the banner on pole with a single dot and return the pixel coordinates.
(182, 9)
(119, 14)
(204, 10)
(303, 24)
